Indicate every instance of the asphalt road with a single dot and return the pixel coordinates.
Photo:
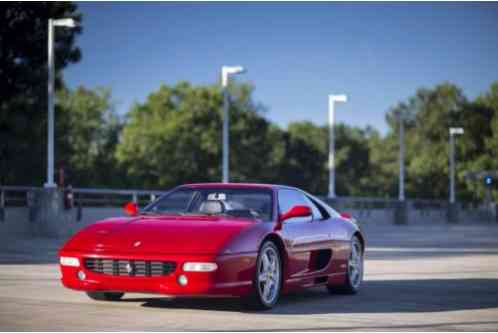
(417, 278)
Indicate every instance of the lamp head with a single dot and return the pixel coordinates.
(456, 130)
(338, 98)
(65, 22)
(233, 69)
(230, 70)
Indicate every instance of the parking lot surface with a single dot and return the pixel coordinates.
(437, 277)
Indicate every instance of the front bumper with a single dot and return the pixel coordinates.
(232, 278)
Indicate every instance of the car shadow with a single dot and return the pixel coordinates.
(383, 296)
(413, 254)
(194, 303)
(408, 327)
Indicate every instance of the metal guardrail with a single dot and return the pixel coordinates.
(81, 192)
(24, 196)
(87, 196)
(134, 194)
(364, 207)
(119, 192)
(19, 188)
(92, 197)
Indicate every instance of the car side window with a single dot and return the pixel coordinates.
(288, 198)
(324, 214)
(326, 210)
(317, 214)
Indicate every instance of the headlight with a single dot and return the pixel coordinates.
(200, 267)
(70, 261)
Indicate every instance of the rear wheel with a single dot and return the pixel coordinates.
(268, 280)
(104, 296)
(354, 274)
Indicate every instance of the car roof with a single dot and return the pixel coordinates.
(236, 185)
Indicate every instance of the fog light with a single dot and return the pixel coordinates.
(182, 280)
(81, 275)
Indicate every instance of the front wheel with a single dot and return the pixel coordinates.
(354, 274)
(268, 279)
(104, 296)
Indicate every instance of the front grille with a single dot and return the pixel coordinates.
(123, 267)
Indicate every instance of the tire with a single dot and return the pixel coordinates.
(267, 282)
(104, 296)
(354, 274)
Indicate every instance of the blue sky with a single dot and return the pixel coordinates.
(296, 53)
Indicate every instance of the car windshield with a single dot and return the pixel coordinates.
(234, 202)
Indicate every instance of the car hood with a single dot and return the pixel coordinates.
(159, 235)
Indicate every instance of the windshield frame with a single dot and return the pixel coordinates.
(271, 216)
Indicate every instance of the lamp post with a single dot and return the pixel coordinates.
(453, 131)
(226, 71)
(69, 23)
(401, 189)
(332, 100)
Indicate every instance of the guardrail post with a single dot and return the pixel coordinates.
(496, 213)
(79, 210)
(135, 198)
(51, 217)
(152, 197)
(452, 213)
(2, 206)
(400, 212)
(30, 203)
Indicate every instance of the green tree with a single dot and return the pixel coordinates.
(382, 179)
(430, 113)
(175, 137)
(306, 162)
(428, 116)
(484, 131)
(23, 84)
(87, 134)
(301, 164)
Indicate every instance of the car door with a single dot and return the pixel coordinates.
(339, 235)
(304, 236)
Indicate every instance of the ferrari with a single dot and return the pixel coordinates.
(252, 241)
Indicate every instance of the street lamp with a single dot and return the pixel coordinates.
(453, 131)
(226, 71)
(401, 189)
(68, 23)
(332, 100)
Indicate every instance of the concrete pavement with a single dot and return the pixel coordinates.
(417, 278)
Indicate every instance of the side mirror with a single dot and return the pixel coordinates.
(131, 208)
(295, 211)
(346, 216)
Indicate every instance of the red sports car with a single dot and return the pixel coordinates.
(252, 241)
